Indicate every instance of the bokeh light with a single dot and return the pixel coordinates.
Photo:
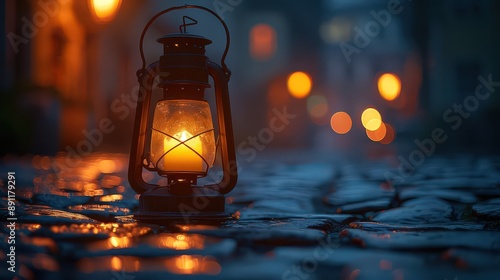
(262, 41)
(317, 106)
(299, 84)
(378, 134)
(341, 122)
(390, 134)
(371, 119)
(104, 10)
(107, 166)
(389, 86)
(336, 30)
(277, 93)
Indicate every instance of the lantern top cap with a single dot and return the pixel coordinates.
(183, 38)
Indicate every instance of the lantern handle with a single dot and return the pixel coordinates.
(182, 28)
(226, 70)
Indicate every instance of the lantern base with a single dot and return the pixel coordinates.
(161, 206)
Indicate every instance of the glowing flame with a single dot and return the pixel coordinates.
(389, 86)
(299, 84)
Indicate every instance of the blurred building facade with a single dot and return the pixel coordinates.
(459, 44)
(65, 66)
(66, 70)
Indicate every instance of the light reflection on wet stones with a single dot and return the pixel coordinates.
(444, 217)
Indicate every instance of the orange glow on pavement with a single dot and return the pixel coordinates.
(299, 84)
(107, 166)
(116, 263)
(178, 241)
(193, 264)
(118, 242)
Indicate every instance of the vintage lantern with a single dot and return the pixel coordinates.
(178, 141)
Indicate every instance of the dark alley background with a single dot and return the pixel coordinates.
(430, 68)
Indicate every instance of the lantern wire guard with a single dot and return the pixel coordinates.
(183, 76)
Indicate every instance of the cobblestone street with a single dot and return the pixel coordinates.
(306, 218)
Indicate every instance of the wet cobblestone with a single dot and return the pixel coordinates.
(296, 220)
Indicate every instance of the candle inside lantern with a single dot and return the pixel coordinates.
(183, 156)
(182, 138)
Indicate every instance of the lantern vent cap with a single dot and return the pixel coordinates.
(180, 38)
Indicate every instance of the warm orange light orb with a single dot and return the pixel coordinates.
(390, 135)
(299, 84)
(341, 122)
(262, 41)
(104, 10)
(389, 86)
(378, 134)
(371, 119)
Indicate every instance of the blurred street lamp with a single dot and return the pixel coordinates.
(299, 84)
(371, 119)
(389, 86)
(104, 10)
(178, 140)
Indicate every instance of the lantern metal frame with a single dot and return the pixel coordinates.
(186, 203)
